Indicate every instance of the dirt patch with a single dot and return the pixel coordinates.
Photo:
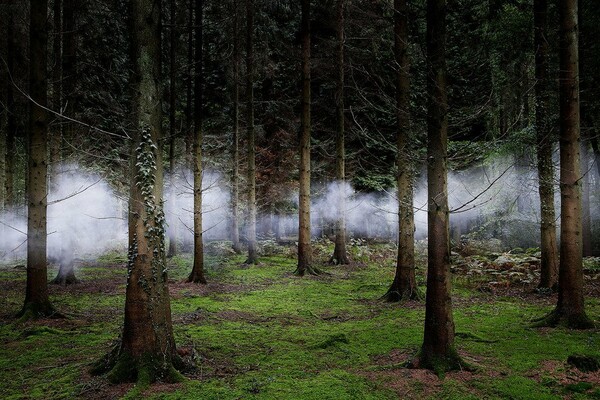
(390, 371)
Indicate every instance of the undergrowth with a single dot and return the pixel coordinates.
(261, 332)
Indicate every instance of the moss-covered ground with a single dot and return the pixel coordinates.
(260, 332)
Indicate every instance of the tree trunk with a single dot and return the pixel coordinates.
(404, 286)
(172, 53)
(197, 274)
(304, 246)
(66, 271)
(339, 251)
(569, 310)
(190, 61)
(235, 190)
(56, 134)
(69, 64)
(549, 248)
(438, 351)
(37, 303)
(586, 221)
(251, 136)
(147, 347)
(11, 122)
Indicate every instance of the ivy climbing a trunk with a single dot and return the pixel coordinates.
(147, 349)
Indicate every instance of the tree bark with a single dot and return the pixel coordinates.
(570, 310)
(545, 166)
(147, 347)
(56, 133)
(340, 255)
(404, 286)
(586, 221)
(11, 121)
(251, 134)
(37, 303)
(172, 135)
(197, 274)
(235, 190)
(304, 245)
(69, 65)
(438, 351)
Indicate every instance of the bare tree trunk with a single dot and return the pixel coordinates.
(251, 136)
(197, 274)
(37, 302)
(147, 347)
(586, 221)
(549, 248)
(69, 65)
(190, 61)
(404, 285)
(339, 251)
(11, 122)
(173, 87)
(235, 190)
(438, 351)
(570, 309)
(304, 245)
(56, 134)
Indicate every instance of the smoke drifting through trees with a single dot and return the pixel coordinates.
(87, 217)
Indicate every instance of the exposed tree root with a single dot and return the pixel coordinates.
(144, 370)
(63, 278)
(395, 294)
(560, 318)
(196, 278)
(34, 310)
(440, 364)
(339, 256)
(310, 270)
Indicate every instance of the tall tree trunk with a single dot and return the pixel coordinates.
(438, 351)
(147, 347)
(69, 65)
(304, 246)
(37, 302)
(404, 285)
(173, 87)
(549, 248)
(586, 221)
(339, 251)
(197, 274)
(569, 310)
(251, 136)
(11, 121)
(56, 134)
(235, 190)
(188, 138)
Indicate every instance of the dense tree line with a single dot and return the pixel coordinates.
(374, 93)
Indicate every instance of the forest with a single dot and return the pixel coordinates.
(273, 199)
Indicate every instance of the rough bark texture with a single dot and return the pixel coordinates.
(235, 190)
(37, 302)
(147, 348)
(548, 242)
(569, 310)
(340, 255)
(197, 274)
(172, 52)
(404, 286)
(438, 351)
(304, 246)
(251, 136)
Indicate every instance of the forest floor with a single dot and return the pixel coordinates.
(259, 332)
